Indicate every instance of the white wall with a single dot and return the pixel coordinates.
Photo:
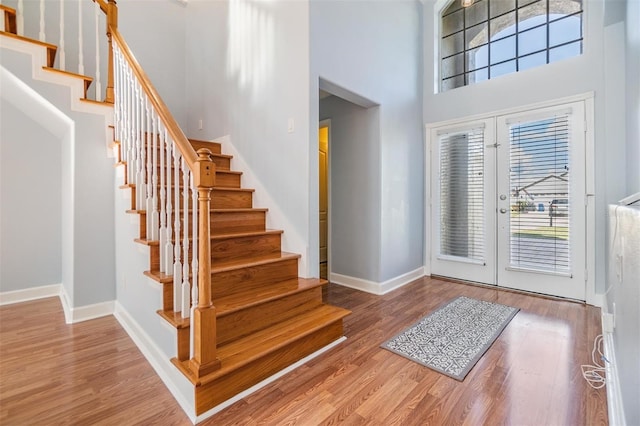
(30, 240)
(633, 95)
(354, 215)
(155, 30)
(373, 49)
(86, 182)
(247, 74)
(574, 76)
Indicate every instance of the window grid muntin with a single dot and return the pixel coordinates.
(519, 4)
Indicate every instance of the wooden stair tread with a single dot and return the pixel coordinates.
(254, 261)
(256, 345)
(230, 265)
(247, 234)
(147, 242)
(69, 73)
(94, 102)
(87, 80)
(51, 48)
(241, 300)
(143, 211)
(237, 301)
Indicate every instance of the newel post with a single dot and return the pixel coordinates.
(204, 359)
(112, 23)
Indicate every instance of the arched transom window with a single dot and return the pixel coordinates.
(489, 38)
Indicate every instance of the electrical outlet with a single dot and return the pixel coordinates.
(607, 323)
(200, 124)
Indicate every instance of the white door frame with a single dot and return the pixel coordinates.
(588, 98)
(327, 123)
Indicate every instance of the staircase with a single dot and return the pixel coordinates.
(266, 317)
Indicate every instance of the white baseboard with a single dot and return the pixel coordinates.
(614, 393)
(35, 293)
(376, 287)
(84, 313)
(615, 407)
(178, 385)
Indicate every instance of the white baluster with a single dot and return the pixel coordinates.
(155, 215)
(177, 265)
(80, 40)
(186, 286)
(97, 25)
(168, 247)
(131, 161)
(41, 35)
(61, 54)
(161, 216)
(151, 166)
(140, 186)
(20, 17)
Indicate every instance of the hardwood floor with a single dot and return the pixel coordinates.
(92, 373)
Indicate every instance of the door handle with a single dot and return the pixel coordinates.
(503, 197)
(503, 210)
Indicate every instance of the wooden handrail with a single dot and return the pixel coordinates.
(204, 359)
(173, 128)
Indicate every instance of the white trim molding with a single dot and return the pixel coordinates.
(27, 294)
(174, 380)
(73, 315)
(376, 287)
(615, 409)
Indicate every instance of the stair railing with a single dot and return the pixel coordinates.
(173, 186)
(172, 181)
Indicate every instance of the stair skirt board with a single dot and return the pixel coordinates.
(376, 287)
(179, 386)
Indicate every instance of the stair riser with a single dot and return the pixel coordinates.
(237, 222)
(227, 180)
(214, 147)
(228, 282)
(245, 247)
(225, 387)
(239, 324)
(154, 253)
(223, 180)
(219, 199)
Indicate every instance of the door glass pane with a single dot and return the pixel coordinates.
(539, 188)
(462, 195)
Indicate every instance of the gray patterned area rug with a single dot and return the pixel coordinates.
(452, 339)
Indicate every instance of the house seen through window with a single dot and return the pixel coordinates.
(490, 38)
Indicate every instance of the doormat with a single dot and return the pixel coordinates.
(453, 338)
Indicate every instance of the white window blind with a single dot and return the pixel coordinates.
(462, 194)
(540, 183)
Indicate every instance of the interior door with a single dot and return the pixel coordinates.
(463, 202)
(541, 201)
(323, 188)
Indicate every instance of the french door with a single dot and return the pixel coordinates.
(508, 201)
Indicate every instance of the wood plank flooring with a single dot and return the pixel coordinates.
(92, 373)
